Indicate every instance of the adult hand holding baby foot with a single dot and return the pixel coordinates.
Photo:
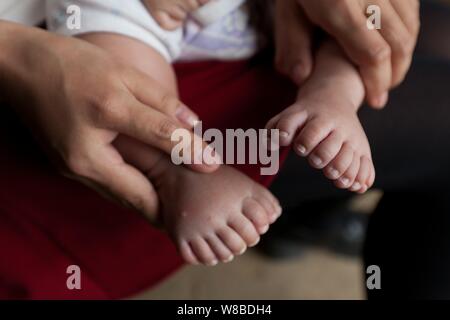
(383, 56)
(78, 100)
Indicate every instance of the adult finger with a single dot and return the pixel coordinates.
(400, 41)
(365, 47)
(293, 39)
(103, 169)
(409, 12)
(158, 130)
(151, 93)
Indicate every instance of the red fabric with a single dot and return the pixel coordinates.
(48, 222)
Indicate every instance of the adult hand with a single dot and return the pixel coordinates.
(78, 100)
(383, 56)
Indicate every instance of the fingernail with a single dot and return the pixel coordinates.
(186, 116)
(242, 251)
(301, 149)
(316, 161)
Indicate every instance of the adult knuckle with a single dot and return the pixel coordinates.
(406, 47)
(343, 8)
(169, 103)
(164, 128)
(110, 108)
(379, 54)
(340, 18)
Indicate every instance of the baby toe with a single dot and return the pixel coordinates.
(245, 228)
(372, 175)
(271, 204)
(203, 252)
(219, 248)
(289, 124)
(364, 171)
(326, 151)
(232, 240)
(186, 253)
(348, 178)
(257, 214)
(273, 122)
(310, 136)
(340, 163)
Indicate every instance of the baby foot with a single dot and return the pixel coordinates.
(323, 124)
(324, 127)
(170, 14)
(212, 217)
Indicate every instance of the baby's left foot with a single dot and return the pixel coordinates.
(332, 139)
(323, 124)
(170, 14)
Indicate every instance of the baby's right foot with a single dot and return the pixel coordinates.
(213, 217)
(170, 14)
(210, 217)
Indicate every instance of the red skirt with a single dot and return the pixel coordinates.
(48, 223)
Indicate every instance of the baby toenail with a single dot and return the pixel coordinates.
(345, 181)
(334, 173)
(265, 229)
(229, 259)
(278, 214)
(301, 149)
(316, 161)
(357, 186)
(213, 263)
(284, 134)
(255, 243)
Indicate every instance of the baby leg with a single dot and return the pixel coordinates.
(138, 55)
